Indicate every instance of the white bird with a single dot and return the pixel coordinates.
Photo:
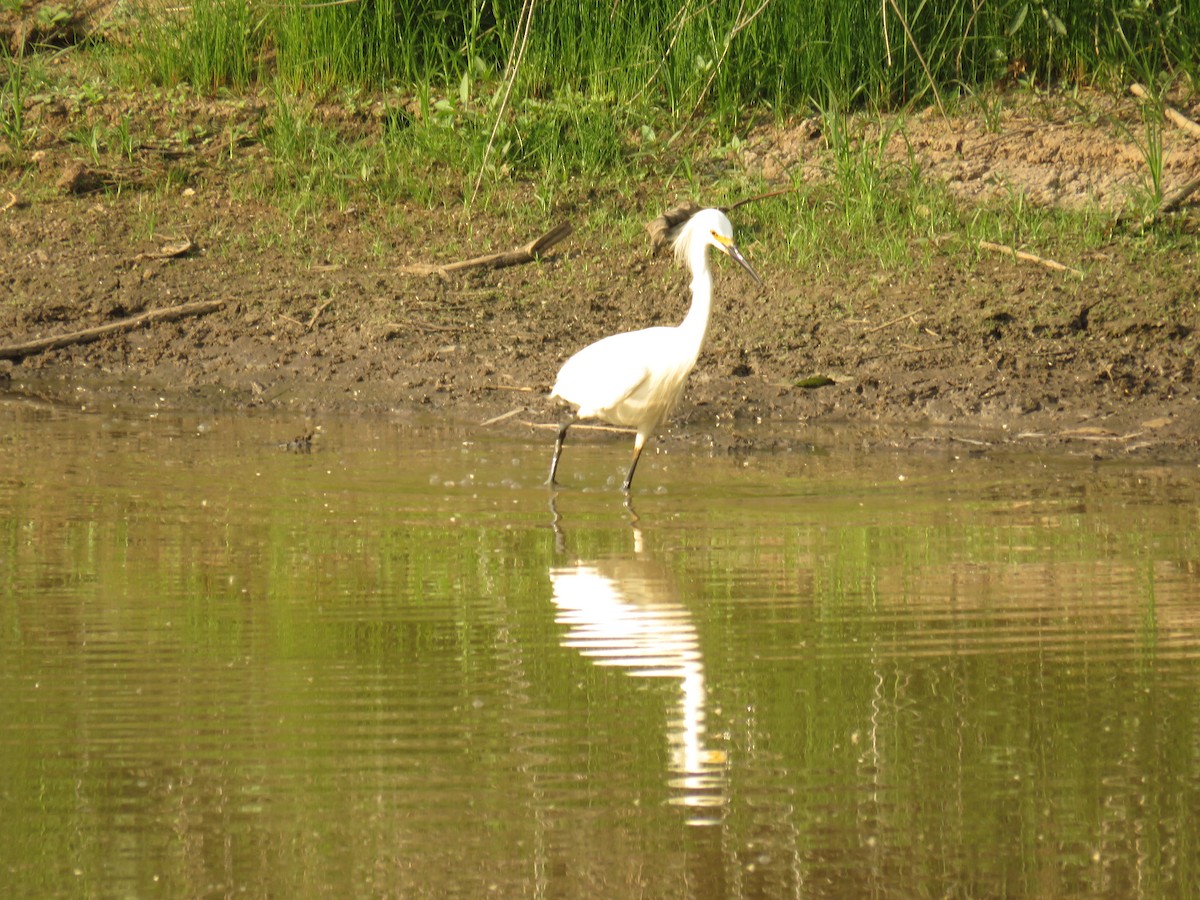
(636, 378)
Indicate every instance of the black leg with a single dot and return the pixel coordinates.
(558, 444)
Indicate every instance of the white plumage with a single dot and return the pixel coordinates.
(636, 378)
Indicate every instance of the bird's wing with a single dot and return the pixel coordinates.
(603, 375)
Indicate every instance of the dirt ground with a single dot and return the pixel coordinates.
(976, 349)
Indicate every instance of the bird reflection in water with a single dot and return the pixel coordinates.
(624, 613)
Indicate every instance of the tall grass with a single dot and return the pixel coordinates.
(13, 123)
(679, 56)
(606, 88)
(210, 43)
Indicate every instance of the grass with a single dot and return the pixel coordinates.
(679, 56)
(14, 125)
(209, 44)
(398, 103)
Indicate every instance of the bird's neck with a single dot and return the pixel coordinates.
(695, 324)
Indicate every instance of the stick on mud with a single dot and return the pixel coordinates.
(530, 252)
(170, 314)
(1169, 112)
(1029, 257)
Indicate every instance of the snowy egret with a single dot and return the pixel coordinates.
(635, 379)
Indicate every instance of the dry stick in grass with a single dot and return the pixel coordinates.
(1170, 202)
(1169, 112)
(312, 320)
(170, 314)
(740, 23)
(920, 57)
(665, 228)
(515, 57)
(528, 253)
(422, 326)
(1172, 199)
(1028, 257)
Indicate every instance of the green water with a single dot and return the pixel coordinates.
(400, 666)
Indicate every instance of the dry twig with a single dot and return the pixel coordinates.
(1029, 257)
(423, 326)
(664, 229)
(172, 249)
(529, 253)
(612, 429)
(889, 324)
(1171, 201)
(312, 320)
(1169, 112)
(740, 24)
(516, 56)
(500, 418)
(920, 58)
(170, 314)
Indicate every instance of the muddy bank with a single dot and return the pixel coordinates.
(994, 351)
(974, 348)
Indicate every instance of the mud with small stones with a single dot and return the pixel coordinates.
(971, 349)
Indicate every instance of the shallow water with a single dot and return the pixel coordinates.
(399, 665)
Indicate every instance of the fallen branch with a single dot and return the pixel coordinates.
(170, 314)
(1171, 201)
(895, 321)
(500, 418)
(1176, 197)
(739, 25)
(173, 249)
(312, 320)
(664, 229)
(1028, 257)
(921, 59)
(1169, 112)
(509, 387)
(612, 429)
(423, 326)
(529, 253)
(1085, 434)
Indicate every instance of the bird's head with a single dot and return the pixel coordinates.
(710, 228)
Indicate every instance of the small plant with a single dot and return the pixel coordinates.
(52, 16)
(1151, 148)
(12, 103)
(99, 139)
(1149, 143)
(990, 106)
